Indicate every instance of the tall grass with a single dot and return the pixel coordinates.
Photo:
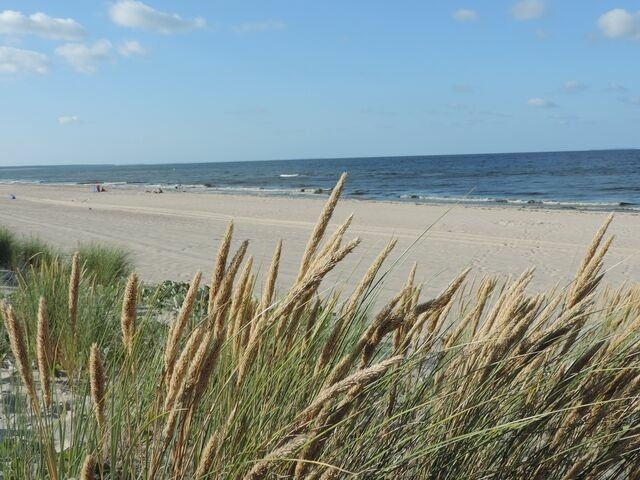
(105, 263)
(483, 381)
(7, 248)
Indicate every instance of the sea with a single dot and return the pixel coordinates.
(589, 180)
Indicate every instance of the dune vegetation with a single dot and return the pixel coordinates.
(487, 380)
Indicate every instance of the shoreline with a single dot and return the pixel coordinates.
(323, 193)
(172, 235)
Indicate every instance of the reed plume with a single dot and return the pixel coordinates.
(19, 348)
(270, 284)
(128, 316)
(98, 383)
(321, 226)
(74, 283)
(220, 266)
(177, 328)
(88, 468)
(44, 352)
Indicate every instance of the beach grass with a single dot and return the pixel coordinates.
(485, 380)
(7, 248)
(106, 264)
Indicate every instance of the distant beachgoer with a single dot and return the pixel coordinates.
(12, 196)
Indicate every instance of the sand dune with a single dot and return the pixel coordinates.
(173, 234)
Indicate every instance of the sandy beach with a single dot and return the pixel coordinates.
(172, 235)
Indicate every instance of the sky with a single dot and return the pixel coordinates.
(89, 82)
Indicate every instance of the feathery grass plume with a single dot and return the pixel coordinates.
(74, 283)
(352, 304)
(208, 456)
(270, 284)
(88, 468)
(98, 383)
(320, 227)
(473, 317)
(334, 242)
(128, 317)
(241, 296)
(177, 328)
(309, 283)
(433, 308)
(590, 258)
(221, 303)
(19, 349)
(182, 365)
(368, 278)
(359, 378)
(261, 468)
(44, 352)
(221, 265)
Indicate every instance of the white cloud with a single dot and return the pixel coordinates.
(259, 27)
(131, 48)
(17, 60)
(541, 103)
(633, 100)
(620, 24)
(573, 86)
(616, 87)
(134, 14)
(69, 119)
(85, 58)
(542, 34)
(41, 24)
(528, 9)
(461, 88)
(465, 15)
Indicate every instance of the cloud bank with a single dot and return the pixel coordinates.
(620, 24)
(134, 14)
(528, 9)
(41, 24)
(465, 15)
(16, 60)
(541, 103)
(85, 58)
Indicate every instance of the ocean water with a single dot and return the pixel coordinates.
(605, 180)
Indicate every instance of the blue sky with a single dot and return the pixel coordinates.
(194, 81)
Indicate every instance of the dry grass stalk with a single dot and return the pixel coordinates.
(311, 281)
(334, 242)
(98, 384)
(182, 366)
(359, 378)
(88, 468)
(239, 299)
(19, 348)
(320, 227)
(128, 316)
(368, 278)
(208, 456)
(74, 283)
(221, 262)
(223, 297)
(270, 284)
(261, 468)
(177, 328)
(44, 352)
(347, 361)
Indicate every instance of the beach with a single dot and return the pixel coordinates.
(171, 235)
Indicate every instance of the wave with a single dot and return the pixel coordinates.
(289, 175)
(520, 201)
